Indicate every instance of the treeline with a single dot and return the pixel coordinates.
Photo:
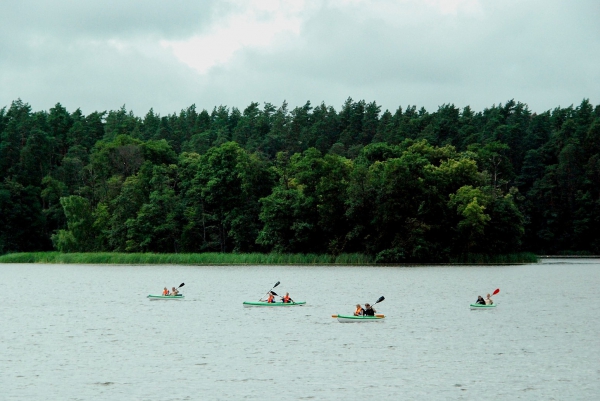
(407, 186)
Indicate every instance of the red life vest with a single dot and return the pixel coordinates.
(286, 298)
(270, 300)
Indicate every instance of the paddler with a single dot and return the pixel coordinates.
(174, 291)
(480, 300)
(359, 310)
(369, 311)
(165, 292)
(286, 298)
(488, 300)
(271, 298)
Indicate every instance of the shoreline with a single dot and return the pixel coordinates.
(251, 259)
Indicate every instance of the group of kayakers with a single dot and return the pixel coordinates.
(366, 311)
(487, 301)
(174, 292)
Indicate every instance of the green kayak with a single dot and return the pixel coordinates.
(251, 304)
(359, 319)
(479, 306)
(178, 297)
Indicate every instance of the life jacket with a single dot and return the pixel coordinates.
(286, 299)
(359, 312)
(270, 300)
(165, 292)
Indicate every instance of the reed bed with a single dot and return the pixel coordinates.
(241, 258)
(187, 258)
(506, 259)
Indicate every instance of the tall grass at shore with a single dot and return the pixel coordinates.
(506, 259)
(187, 258)
(239, 258)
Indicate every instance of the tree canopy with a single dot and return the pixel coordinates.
(409, 185)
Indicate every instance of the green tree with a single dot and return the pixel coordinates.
(80, 235)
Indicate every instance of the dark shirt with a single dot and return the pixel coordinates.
(480, 301)
(369, 312)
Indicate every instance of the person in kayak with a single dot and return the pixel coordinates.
(271, 298)
(165, 292)
(480, 300)
(174, 291)
(488, 300)
(286, 299)
(369, 311)
(359, 310)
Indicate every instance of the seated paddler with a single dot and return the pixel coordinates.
(359, 310)
(369, 311)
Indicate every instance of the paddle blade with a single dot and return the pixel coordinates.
(380, 300)
(497, 291)
(276, 284)
(333, 315)
(274, 293)
(181, 285)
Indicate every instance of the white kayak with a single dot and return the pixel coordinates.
(481, 307)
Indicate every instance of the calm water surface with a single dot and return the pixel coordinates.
(87, 332)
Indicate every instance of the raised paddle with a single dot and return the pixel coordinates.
(271, 290)
(180, 285)
(496, 291)
(381, 298)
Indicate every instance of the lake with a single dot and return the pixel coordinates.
(88, 332)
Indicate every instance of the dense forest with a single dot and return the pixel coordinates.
(403, 186)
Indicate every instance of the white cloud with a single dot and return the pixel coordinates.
(254, 24)
(208, 52)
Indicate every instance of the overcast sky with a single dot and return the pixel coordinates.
(99, 55)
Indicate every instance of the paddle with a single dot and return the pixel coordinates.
(496, 291)
(271, 290)
(180, 285)
(381, 298)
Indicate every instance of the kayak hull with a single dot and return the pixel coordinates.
(359, 319)
(274, 304)
(479, 306)
(165, 297)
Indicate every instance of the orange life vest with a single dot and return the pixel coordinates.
(286, 298)
(165, 292)
(270, 300)
(358, 311)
